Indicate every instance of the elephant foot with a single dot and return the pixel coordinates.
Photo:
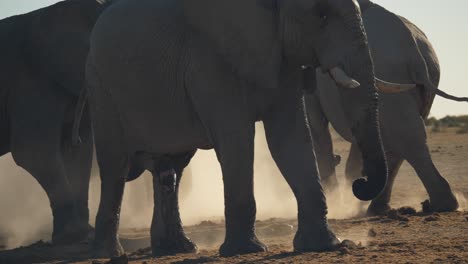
(71, 233)
(107, 249)
(241, 245)
(448, 204)
(316, 241)
(378, 209)
(180, 245)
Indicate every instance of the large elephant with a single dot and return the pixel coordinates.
(166, 77)
(43, 56)
(401, 53)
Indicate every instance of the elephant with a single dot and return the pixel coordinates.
(165, 78)
(401, 52)
(42, 73)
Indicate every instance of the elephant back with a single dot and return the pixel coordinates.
(402, 53)
(60, 36)
(243, 33)
(432, 62)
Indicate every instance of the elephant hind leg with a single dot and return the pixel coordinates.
(381, 204)
(440, 193)
(167, 233)
(36, 134)
(50, 174)
(114, 166)
(78, 161)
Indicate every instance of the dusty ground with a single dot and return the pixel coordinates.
(415, 238)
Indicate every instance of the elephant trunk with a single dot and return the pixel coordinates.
(363, 113)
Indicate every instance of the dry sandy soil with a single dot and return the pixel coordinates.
(396, 238)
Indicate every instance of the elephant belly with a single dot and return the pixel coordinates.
(161, 126)
(401, 124)
(155, 110)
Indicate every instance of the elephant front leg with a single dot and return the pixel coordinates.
(291, 146)
(326, 160)
(224, 109)
(322, 142)
(167, 234)
(235, 155)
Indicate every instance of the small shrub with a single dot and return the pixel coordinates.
(431, 121)
(436, 127)
(463, 129)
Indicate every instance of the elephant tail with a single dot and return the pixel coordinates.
(422, 77)
(80, 105)
(445, 95)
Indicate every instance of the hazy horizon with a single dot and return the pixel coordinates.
(442, 23)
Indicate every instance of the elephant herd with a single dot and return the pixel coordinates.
(149, 82)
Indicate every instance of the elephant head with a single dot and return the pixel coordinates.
(340, 48)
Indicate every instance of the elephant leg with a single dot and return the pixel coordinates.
(4, 135)
(381, 204)
(78, 161)
(353, 168)
(113, 170)
(326, 160)
(441, 196)
(114, 163)
(322, 142)
(235, 155)
(167, 234)
(37, 113)
(36, 146)
(291, 146)
(223, 109)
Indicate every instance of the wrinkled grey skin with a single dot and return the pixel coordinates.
(169, 76)
(43, 55)
(401, 53)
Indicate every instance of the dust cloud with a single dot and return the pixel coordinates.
(23, 201)
(462, 202)
(25, 214)
(26, 217)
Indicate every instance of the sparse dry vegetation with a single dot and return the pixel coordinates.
(439, 125)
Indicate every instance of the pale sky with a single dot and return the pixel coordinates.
(444, 22)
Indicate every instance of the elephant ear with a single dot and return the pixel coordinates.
(243, 32)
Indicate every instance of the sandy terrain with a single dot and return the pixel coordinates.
(398, 238)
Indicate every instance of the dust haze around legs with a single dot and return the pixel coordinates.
(26, 216)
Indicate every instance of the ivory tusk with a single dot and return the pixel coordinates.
(388, 87)
(342, 79)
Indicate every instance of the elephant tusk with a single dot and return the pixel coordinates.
(388, 87)
(342, 79)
